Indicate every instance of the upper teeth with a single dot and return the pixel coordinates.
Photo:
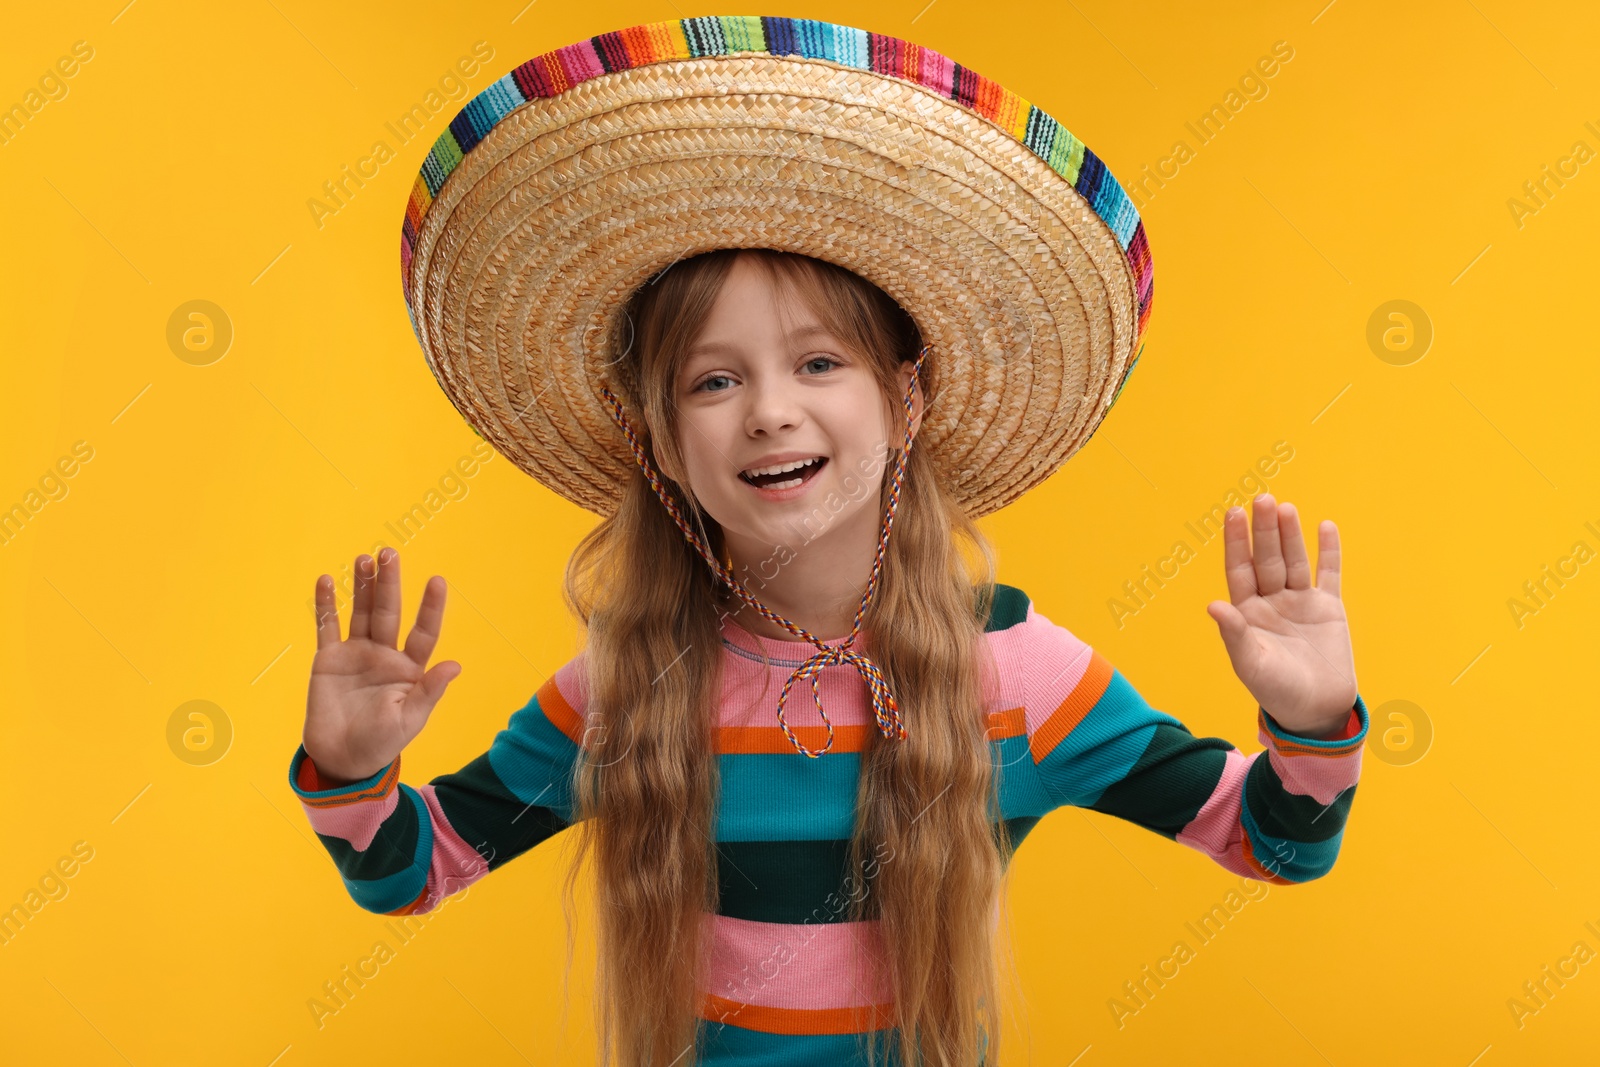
(783, 467)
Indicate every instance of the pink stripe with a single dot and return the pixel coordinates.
(455, 863)
(1044, 663)
(1320, 777)
(936, 71)
(1215, 829)
(580, 61)
(750, 689)
(356, 823)
(572, 678)
(796, 965)
(1033, 651)
(1009, 649)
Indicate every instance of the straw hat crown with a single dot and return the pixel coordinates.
(566, 184)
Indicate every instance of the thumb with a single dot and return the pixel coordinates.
(1234, 629)
(426, 694)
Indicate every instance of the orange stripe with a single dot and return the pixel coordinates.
(1009, 723)
(312, 784)
(561, 714)
(417, 203)
(771, 1020)
(411, 907)
(1300, 750)
(1284, 746)
(1071, 711)
(770, 740)
(1295, 748)
(761, 740)
(555, 72)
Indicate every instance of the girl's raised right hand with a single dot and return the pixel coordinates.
(368, 699)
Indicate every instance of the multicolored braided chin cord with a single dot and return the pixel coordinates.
(884, 706)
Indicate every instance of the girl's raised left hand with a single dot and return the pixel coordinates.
(1288, 640)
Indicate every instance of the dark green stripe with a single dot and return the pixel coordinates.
(392, 850)
(1291, 816)
(1009, 608)
(1019, 827)
(489, 817)
(1170, 782)
(801, 881)
(783, 881)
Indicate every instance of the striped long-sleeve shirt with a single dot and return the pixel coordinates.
(786, 983)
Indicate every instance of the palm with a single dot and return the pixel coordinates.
(1289, 641)
(367, 698)
(364, 687)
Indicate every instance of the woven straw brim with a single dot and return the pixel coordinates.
(527, 253)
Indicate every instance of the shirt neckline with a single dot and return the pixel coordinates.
(781, 651)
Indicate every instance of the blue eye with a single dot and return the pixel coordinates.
(828, 363)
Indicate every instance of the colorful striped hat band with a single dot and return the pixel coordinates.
(884, 706)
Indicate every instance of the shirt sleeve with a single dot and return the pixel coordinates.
(401, 850)
(1276, 815)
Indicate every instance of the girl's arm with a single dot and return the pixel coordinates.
(402, 850)
(1277, 815)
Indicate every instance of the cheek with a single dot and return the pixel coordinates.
(703, 466)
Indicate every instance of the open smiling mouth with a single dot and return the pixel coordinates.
(789, 479)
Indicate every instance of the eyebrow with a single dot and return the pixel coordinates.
(710, 347)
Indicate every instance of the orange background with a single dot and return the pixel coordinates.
(1379, 165)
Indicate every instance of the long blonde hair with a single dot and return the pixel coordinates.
(646, 785)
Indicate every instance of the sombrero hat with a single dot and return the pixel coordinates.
(564, 186)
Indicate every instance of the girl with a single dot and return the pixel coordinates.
(822, 885)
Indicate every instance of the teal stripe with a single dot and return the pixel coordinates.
(704, 36)
(1298, 861)
(534, 760)
(1021, 792)
(786, 797)
(401, 888)
(1103, 748)
(1113, 205)
(499, 99)
(844, 45)
(851, 48)
(726, 1045)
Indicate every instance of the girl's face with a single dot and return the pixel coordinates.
(752, 396)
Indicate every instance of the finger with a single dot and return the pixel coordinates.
(424, 634)
(1328, 557)
(1241, 573)
(361, 599)
(1297, 566)
(327, 613)
(1268, 551)
(386, 599)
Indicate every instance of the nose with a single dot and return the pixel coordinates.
(773, 406)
